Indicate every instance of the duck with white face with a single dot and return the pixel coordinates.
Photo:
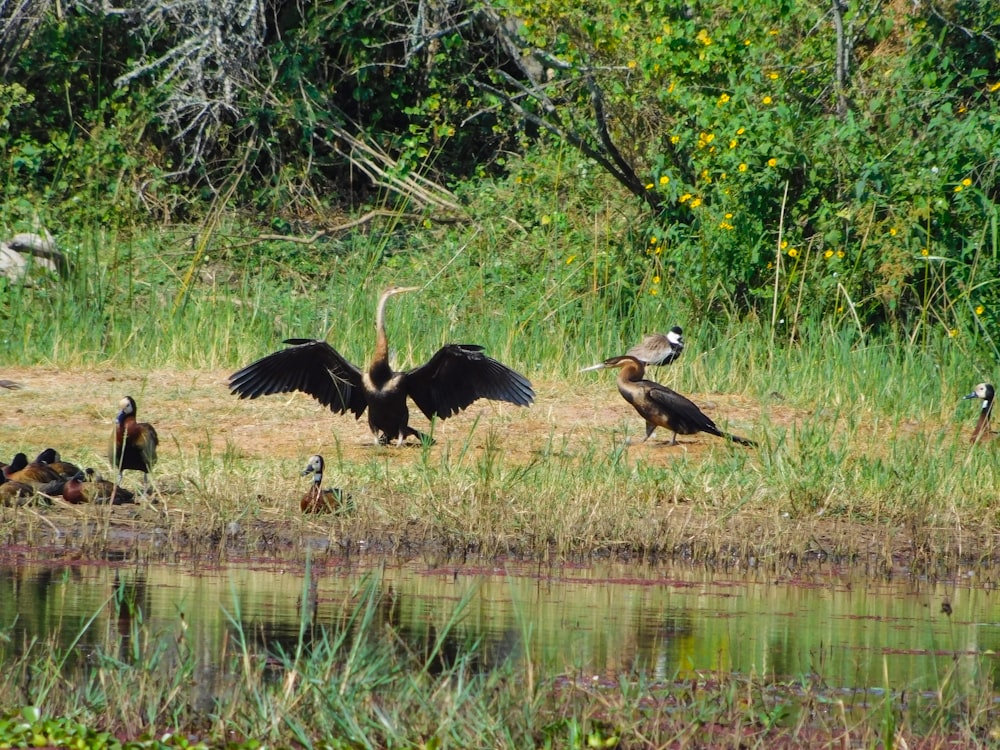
(981, 432)
(132, 446)
(320, 500)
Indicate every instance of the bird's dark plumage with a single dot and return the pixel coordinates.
(455, 377)
(50, 457)
(981, 432)
(35, 474)
(133, 444)
(661, 406)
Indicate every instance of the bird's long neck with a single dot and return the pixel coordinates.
(631, 371)
(983, 423)
(379, 368)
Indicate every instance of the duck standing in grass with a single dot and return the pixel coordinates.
(455, 377)
(981, 432)
(319, 500)
(661, 406)
(133, 444)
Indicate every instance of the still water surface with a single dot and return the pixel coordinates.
(592, 622)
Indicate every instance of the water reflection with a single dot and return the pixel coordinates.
(598, 622)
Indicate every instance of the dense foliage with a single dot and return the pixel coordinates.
(792, 159)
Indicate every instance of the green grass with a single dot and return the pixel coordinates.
(855, 427)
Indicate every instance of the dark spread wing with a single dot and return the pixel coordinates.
(458, 375)
(309, 366)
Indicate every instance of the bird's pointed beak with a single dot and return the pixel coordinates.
(306, 471)
(971, 395)
(598, 366)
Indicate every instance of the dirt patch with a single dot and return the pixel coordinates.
(196, 417)
(72, 411)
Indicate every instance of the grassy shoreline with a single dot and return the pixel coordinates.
(556, 479)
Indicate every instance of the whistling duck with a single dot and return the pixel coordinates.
(661, 406)
(317, 499)
(133, 444)
(34, 473)
(15, 493)
(50, 457)
(982, 431)
(455, 377)
(88, 487)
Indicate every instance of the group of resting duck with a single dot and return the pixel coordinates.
(132, 446)
(455, 376)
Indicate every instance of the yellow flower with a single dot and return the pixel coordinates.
(656, 279)
(664, 179)
(732, 143)
(632, 63)
(703, 37)
(706, 176)
(766, 100)
(684, 198)
(773, 32)
(675, 139)
(654, 290)
(840, 253)
(958, 188)
(772, 162)
(793, 253)
(722, 99)
(741, 131)
(546, 220)
(650, 186)
(925, 252)
(892, 231)
(742, 167)
(967, 182)
(784, 244)
(746, 43)
(980, 310)
(773, 75)
(695, 203)
(953, 332)
(570, 259)
(653, 240)
(995, 87)
(828, 254)
(704, 139)
(729, 216)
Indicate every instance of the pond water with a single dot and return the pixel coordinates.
(597, 622)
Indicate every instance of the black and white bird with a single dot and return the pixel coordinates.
(981, 432)
(656, 348)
